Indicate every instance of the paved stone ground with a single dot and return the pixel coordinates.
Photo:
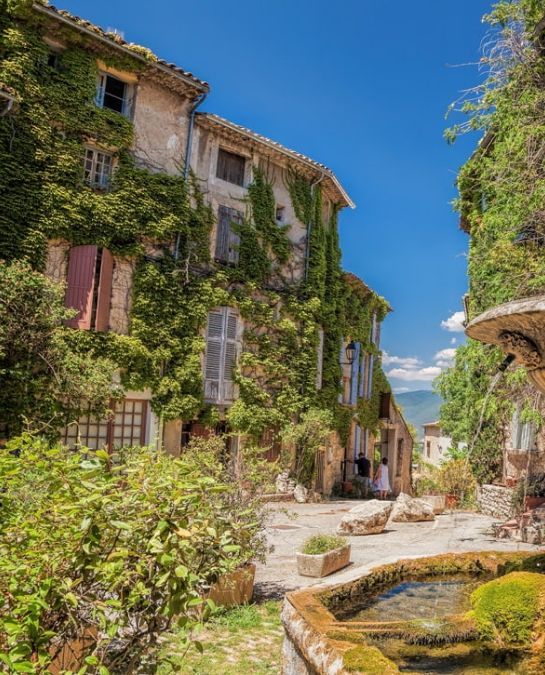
(290, 524)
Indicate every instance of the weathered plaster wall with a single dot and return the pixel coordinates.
(435, 445)
(121, 298)
(56, 265)
(222, 193)
(161, 119)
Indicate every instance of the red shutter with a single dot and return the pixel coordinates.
(80, 284)
(102, 321)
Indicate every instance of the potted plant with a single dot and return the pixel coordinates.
(323, 554)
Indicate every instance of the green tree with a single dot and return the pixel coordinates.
(44, 381)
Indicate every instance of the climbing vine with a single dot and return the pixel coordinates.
(501, 196)
(160, 225)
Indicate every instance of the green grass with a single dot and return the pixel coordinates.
(322, 543)
(245, 640)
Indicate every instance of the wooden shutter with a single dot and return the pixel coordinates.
(227, 240)
(385, 400)
(213, 361)
(230, 167)
(363, 376)
(102, 321)
(80, 284)
(235, 217)
(230, 355)
(370, 368)
(221, 355)
(354, 372)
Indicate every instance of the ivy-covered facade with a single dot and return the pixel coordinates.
(200, 257)
(501, 196)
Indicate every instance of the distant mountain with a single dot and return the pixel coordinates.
(419, 407)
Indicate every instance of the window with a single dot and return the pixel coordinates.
(97, 168)
(230, 167)
(399, 458)
(124, 428)
(320, 358)
(89, 287)
(222, 346)
(113, 93)
(227, 239)
(428, 448)
(523, 434)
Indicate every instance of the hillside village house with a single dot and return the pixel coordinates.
(436, 443)
(224, 254)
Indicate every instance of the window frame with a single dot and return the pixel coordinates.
(229, 175)
(101, 94)
(90, 170)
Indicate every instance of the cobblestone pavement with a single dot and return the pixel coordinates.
(290, 524)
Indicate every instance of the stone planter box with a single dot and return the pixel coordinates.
(451, 501)
(437, 502)
(235, 588)
(322, 564)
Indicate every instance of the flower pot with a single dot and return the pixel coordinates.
(451, 501)
(437, 502)
(533, 502)
(347, 486)
(234, 588)
(322, 564)
(71, 655)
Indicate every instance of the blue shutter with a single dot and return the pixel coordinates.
(341, 361)
(357, 439)
(354, 375)
(363, 364)
(370, 376)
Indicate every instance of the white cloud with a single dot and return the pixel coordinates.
(454, 324)
(405, 361)
(415, 374)
(445, 357)
(453, 341)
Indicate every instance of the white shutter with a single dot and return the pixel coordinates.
(527, 436)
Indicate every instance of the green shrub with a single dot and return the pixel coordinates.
(322, 543)
(124, 545)
(506, 609)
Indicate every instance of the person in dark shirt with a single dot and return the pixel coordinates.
(362, 479)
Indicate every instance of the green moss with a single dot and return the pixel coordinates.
(506, 609)
(322, 543)
(368, 661)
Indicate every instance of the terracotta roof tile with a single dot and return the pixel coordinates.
(117, 41)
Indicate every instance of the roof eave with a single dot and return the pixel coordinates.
(285, 151)
(193, 83)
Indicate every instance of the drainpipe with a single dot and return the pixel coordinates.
(309, 226)
(187, 164)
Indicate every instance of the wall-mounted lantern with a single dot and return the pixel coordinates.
(351, 351)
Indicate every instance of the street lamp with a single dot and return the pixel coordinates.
(351, 351)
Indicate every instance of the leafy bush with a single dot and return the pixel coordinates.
(123, 546)
(456, 478)
(506, 609)
(322, 543)
(307, 436)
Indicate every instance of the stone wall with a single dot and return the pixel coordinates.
(495, 500)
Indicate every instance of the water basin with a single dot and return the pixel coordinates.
(419, 600)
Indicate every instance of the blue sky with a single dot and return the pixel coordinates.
(362, 86)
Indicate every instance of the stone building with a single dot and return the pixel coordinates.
(197, 254)
(435, 443)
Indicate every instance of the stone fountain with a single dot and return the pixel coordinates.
(518, 328)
